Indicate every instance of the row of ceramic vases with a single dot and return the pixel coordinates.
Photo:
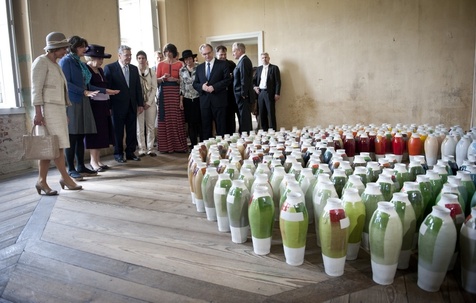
(390, 231)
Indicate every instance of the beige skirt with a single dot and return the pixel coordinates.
(57, 122)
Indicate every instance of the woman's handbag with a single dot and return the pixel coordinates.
(41, 147)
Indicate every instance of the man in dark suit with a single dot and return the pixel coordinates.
(211, 81)
(243, 85)
(123, 76)
(267, 84)
(232, 108)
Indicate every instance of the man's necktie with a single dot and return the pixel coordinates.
(208, 70)
(126, 74)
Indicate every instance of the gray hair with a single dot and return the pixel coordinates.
(240, 46)
(123, 48)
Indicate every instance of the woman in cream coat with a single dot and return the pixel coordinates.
(49, 95)
(146, 120)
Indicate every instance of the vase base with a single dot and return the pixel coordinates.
(261, 246)
(430, 280)
(352, 251)
(211, 213)
(333, 267)
(468, 278)
(200, 205)
(294, 256)
(404, 259)
(239, 234)
(383, 274)
(223, 224)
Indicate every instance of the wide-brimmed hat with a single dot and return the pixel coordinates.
(56, 40)
(187, 54)
(96, 51)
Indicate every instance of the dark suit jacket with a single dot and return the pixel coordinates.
(273, 81)
(219, 79)
(243, 79)
(132, 93)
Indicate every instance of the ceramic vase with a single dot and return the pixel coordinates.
(373, 171)
(220, 193)
(412, 189)
(208, 186)
(276, 179)
(355, 211)
(402, 174)
(450, 201)
(261, 180)
(334, 232)
(354, 181)
(398, 146)
(371, 196)
(379, 143)
(436, 244)
(362, 173)
(426, 192)
(198, 174)
(470, 188)
(247, 176)
(415, 146)
(385, 239)
(468, 252)
(237, 208)
(261, 218)
(387, 187)
(414, 169)
(324, 191)
(293, 223)
(406, 214)
(431, 148)
(436, 186)
(339, 178)
(461, 152)
(307, 181)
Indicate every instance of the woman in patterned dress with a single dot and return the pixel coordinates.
(171, 135)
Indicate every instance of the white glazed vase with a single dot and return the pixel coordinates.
(385, 239)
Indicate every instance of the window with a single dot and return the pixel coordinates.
(9, 81)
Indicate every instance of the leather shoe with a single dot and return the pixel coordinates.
(120, 159)
(132, 157)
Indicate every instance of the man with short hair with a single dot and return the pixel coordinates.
(243, 85)
(267, 84)
(126, 105)
(211, 81)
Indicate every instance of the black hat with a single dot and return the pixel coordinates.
(97, 51)
(187, 54)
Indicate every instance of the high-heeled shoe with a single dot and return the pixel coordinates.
(63, 184)
(48, 191)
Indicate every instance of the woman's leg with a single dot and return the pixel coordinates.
(62, 169)
(43, 166)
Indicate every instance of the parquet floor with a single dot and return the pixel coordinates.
(133, 235)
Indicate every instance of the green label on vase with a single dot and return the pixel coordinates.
(261, 216)
(294, 232)
(428, 235)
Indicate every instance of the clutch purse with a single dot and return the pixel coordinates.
(43, 147)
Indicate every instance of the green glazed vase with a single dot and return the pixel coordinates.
(237, 208)
(293, 223)
(261, 217)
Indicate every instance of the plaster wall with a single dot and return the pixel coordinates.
(350, 61)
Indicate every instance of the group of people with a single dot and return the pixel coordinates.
(89, 107)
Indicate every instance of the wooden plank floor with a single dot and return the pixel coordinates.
(133, 235)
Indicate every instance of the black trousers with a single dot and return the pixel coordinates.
(125, 121)
(267, 110)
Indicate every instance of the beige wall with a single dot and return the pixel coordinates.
(342, 61)
(352, 61)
